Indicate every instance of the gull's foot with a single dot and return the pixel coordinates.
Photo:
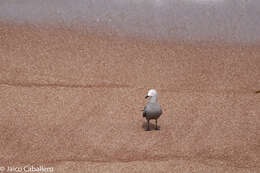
(156, 128)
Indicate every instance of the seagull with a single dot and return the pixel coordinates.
(152, 110)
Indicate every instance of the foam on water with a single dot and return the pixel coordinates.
(232, 21)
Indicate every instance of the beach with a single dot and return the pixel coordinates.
(72, 100)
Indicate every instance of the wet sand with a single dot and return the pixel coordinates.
(73, 100)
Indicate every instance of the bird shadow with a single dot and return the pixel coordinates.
(152, 126)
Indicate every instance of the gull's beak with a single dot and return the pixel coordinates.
(146, 97)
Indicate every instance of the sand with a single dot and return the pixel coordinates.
(72, 101)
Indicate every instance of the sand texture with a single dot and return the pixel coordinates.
(73, 100)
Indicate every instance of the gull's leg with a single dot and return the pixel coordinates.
(148, 128)
(156, 128)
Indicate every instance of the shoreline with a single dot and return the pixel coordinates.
(84, 29)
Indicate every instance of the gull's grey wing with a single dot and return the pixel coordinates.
(144, 112)
(152, 111)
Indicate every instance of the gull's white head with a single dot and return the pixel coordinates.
(151, 93)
